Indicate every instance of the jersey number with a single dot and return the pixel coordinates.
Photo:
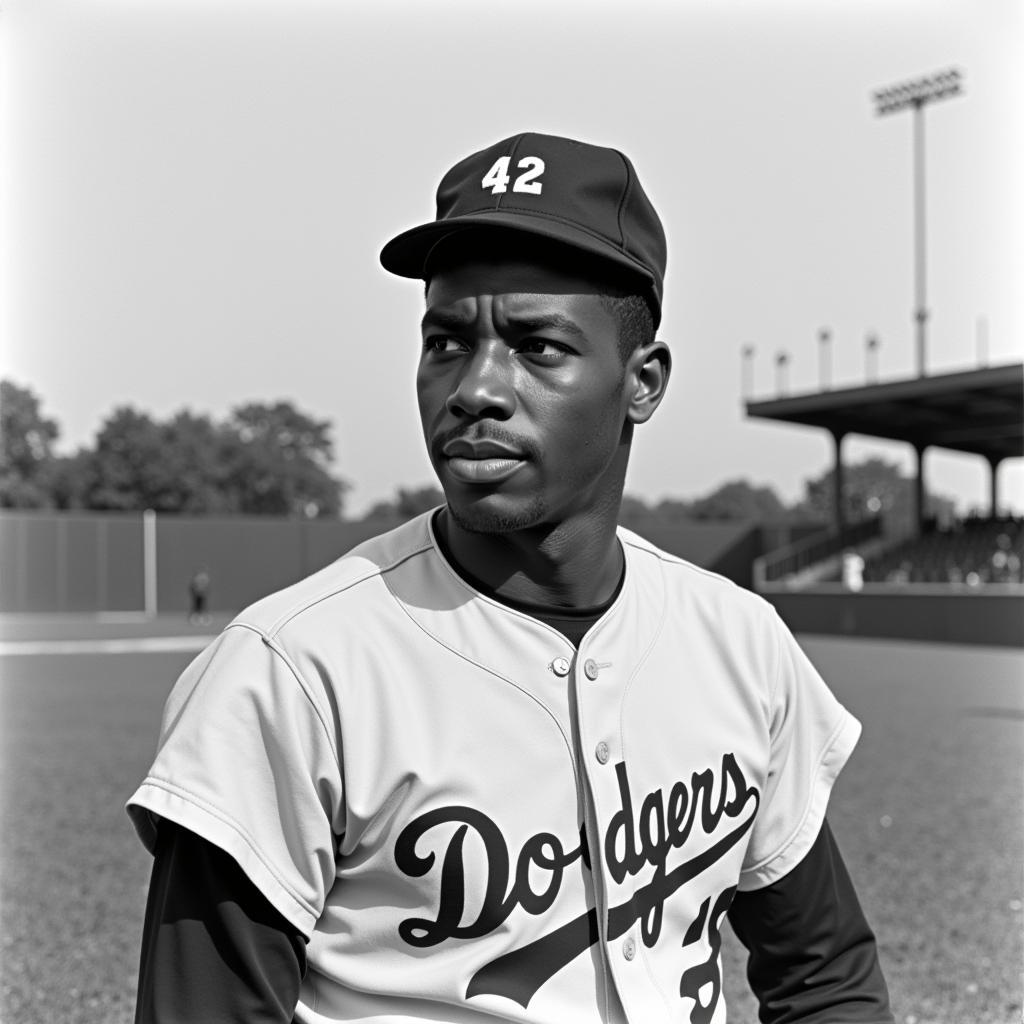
(497, 178)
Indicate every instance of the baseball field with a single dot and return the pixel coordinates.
(929, 814)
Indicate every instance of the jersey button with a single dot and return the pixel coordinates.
(629, 948)
(560, 666)
(602, 753)
(591, 669)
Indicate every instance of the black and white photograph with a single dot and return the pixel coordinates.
(511, 513)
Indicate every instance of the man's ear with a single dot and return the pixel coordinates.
(647, 373)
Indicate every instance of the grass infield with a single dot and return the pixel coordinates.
(929, 814)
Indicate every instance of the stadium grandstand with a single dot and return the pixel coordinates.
(979, 412)
(972, 551)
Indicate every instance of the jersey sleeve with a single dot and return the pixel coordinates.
(248, 759)
(812, 736)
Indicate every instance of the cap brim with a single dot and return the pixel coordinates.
(406, 254)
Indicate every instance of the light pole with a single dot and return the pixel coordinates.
(824, 358)
(871, 358)
(915, 95)
(781, 362)
(747, 383)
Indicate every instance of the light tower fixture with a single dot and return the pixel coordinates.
(916, 94)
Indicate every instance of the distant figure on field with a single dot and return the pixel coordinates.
(198, 595)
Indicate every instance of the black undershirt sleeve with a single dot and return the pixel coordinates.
(213, 948)
(813, 958)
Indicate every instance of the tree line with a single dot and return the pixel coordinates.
(263, 459)
(273, 459)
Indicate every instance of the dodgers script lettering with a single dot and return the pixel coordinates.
(634, 843)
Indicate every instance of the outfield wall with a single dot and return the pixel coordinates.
(95, 561)
(70, 562)
(992, 615)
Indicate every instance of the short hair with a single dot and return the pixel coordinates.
(633, 318)
(623, 294)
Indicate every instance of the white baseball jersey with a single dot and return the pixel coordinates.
(470, 819)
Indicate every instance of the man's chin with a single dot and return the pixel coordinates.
(493, 515)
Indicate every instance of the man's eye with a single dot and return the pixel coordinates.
(442, 344)
(542, 348)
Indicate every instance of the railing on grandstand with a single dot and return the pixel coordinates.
(796, 558)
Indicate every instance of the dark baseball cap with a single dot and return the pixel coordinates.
(583, 196)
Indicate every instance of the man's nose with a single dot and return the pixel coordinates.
(484, 388)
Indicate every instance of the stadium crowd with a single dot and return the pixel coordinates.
(972, 551)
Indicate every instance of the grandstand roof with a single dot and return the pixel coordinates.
(977, 411)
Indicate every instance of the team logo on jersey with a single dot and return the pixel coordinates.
(634, 842)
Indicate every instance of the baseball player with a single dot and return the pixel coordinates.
(508, 762)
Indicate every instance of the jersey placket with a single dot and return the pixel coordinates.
(598, 692)
(593, 837)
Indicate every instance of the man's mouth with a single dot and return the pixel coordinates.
(482, 471)
(481, 461)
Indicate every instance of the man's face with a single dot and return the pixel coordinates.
(521, 395)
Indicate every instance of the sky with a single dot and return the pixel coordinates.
(194, 193)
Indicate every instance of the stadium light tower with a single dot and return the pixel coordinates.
(915, 95)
